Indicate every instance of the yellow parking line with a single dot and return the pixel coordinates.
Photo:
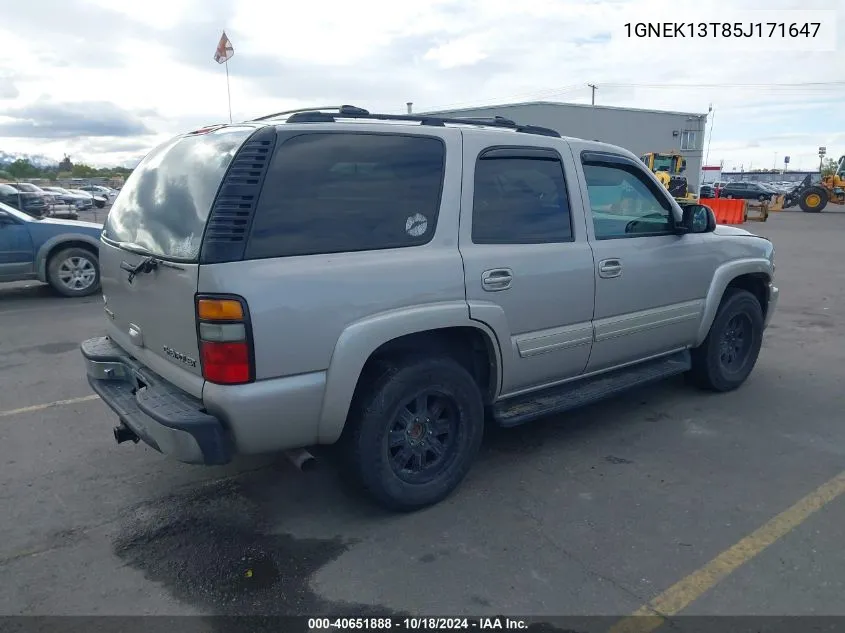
(652, 615)
(48, 405)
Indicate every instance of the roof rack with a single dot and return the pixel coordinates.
(277, 115)
(319, 115)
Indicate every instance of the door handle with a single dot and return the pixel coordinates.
(496, 279)
(610, 268)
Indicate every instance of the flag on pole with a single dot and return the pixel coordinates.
(225, 50)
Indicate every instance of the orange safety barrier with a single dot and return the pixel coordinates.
(727, 210)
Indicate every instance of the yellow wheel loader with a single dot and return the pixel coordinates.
(669, 168)
(812, 198)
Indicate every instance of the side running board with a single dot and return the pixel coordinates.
(528, 407)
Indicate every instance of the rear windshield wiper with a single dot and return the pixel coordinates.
(146, 265)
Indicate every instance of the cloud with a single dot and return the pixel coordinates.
(153, 62)
(8, 89)
(47, 119)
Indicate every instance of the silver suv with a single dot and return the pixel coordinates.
(389, 284)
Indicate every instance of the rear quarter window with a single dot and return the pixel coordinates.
(343, 192)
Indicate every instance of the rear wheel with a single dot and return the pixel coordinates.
(74, 272)
(813, 200)
(416, 428)
(726, 357)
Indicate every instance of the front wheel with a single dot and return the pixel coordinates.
(416, 429)
(74, 272)
(813, 200)
(728, 354)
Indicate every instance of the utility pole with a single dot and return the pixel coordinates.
(593, 98)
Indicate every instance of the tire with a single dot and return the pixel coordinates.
(387, 403)
(709, 367)
(813, 199)
(74, 272)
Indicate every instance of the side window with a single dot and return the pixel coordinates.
(344, 192)
(625, 203)
(520, 201)
(689, 139)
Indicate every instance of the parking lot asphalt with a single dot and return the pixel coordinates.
(599, 512)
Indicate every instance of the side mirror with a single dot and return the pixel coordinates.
(698, 218)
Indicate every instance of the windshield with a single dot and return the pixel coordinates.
(23, 186)
(166, 200)
(664, 163)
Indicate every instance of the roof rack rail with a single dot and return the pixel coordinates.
(319, 115)
(339, 109)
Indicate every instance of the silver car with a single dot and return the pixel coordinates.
(393, 283)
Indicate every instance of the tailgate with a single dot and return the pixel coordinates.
(153, 317)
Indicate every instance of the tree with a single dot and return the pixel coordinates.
(22, 168)
(81, 170)
(829, 167)
(66, 165)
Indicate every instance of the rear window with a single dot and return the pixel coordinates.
(343, 192)
(166, 200)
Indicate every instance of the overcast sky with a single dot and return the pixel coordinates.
(104, 80)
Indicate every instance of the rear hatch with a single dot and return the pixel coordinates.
(160, 216)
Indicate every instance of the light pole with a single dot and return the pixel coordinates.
(710, 137)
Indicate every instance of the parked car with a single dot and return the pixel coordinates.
(96, 201)
(63, 195)
(100, 190)
(556, 272)
(746, 191)
(706, 191)
(31, 203)
(718, 186)
(63, 253)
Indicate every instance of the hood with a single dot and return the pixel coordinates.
(726, 229)
(79, 223)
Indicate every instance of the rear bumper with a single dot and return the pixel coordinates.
(164, 417)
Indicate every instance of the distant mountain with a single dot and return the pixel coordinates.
(38, 160)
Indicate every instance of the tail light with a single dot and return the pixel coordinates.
(225, 340)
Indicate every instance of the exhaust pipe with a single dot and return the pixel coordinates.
(123, 433)
(302, 459)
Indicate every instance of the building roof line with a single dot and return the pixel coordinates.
(563, 103)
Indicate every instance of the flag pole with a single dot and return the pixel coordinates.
(228, 90)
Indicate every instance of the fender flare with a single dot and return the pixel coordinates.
(723, 276)
(49, 245)
(360, 339)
